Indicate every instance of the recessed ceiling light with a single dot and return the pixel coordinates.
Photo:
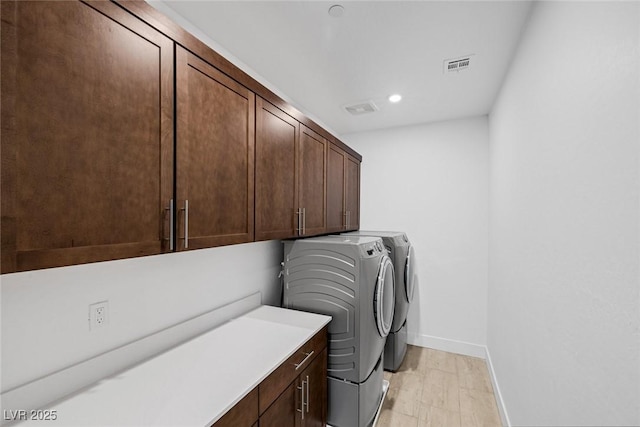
(336, 10)
(395, 98)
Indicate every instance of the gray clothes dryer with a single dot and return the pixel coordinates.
(402, 255)
(350, 278)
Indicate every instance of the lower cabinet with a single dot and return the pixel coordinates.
(294, 395)
(283, 412)
(244, 413)
(313, 381)
(303, 403)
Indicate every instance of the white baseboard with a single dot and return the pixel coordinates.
(444, 344)
(496, 391)
(467, 349)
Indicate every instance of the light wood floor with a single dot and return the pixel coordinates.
(435, 388)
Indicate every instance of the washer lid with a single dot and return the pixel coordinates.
(384, 297)
(409, 274)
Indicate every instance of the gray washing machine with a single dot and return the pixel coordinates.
(402, 254)
(351, 279)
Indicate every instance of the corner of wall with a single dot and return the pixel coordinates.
(502, 408)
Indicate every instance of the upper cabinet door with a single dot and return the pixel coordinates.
(352, 186)
(215, 156)
(313, 182)
(277, 214)
(87, 135)
(336, 212)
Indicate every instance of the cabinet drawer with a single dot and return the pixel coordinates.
(279, 379)
(243, 414)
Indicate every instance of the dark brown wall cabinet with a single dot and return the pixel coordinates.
(88, 150)
(215, 156)
(291, 176)
(352, 193)
(336, 212)
(312, 183)
(87, 135)
(343, 191)
(277, 136)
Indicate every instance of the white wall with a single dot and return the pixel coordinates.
(431, 181)
(563, 323)
(44, 312)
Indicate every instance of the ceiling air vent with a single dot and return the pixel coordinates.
(457, 64)
(361, 108)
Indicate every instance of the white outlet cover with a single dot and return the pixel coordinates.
(98, 315)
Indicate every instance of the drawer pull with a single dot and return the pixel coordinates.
(298, 365)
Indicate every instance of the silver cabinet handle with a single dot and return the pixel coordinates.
(301, 410)
(171, 236)
(307, 401)
(298, 365)
(304, 221)
(186, 223)
(348, 219)
(345, 214)
(298, 211)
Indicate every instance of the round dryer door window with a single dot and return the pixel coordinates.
(409, 274)
(384, 303)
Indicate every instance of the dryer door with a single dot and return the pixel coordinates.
(384, 297)
(409, 274)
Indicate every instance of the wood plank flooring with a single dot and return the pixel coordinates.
(435, 388)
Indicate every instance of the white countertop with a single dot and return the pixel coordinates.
(197, 382)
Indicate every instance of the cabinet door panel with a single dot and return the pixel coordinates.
(335, 189)
(283, 411)
(353, 193)
(276, 173)
(313, 186)
(315, 377)
(87, 138)
(215, 133)
(243, 414)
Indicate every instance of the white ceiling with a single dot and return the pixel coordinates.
(377, 48)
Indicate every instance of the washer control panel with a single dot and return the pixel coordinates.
(374, 248)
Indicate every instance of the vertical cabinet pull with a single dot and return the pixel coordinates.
(171, 237)
(307, 401)
(345, 214)
(302, 404)
(304, 221)
(186, 223)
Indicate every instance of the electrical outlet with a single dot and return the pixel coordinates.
(98, 315)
